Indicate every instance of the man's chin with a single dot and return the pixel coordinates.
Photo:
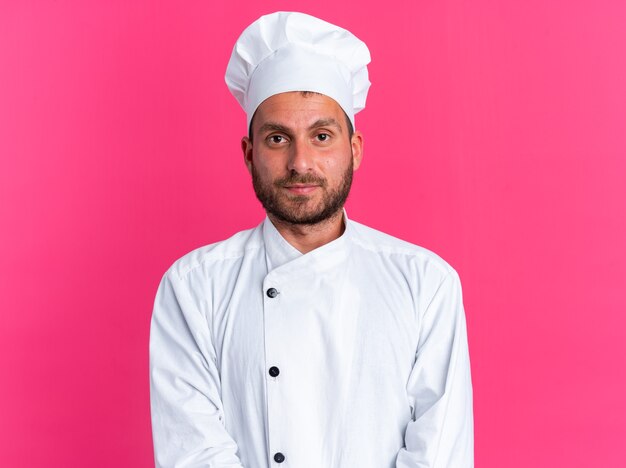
(301, 216)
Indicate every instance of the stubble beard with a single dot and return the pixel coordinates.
(294, 209)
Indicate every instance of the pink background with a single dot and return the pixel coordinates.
(495, 136)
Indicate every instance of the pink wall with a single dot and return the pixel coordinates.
(495, 135)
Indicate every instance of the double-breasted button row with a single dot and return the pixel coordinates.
(272, 293)
(279, 457)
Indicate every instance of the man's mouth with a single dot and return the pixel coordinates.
(301, 189)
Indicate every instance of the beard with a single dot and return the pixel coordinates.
(296, 209)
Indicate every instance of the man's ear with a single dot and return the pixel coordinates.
(357, 149)
(246, 147)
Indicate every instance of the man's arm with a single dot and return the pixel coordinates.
(187, 415)
(441, 434)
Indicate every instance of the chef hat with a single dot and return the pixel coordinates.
(287, 51)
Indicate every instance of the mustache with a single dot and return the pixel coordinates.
(293, 179)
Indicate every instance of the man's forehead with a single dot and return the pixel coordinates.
(297, 109)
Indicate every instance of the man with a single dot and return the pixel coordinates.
(310, 341)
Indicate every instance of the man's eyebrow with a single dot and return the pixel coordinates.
(276, 127)
(330, 122)
(273, 127)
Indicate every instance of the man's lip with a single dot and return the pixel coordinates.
(301, 188)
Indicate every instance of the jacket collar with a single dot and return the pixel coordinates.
(281, 253)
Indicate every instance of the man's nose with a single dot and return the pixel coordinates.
(300, 157)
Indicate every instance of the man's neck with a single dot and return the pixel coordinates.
(308, 237)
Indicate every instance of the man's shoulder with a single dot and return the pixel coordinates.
(227, 250)
(381, 243)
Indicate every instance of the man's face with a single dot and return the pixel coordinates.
(301, 157)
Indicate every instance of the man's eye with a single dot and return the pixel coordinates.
(323, 137)
(276, 139)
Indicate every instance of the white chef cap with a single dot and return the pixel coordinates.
(287, 51)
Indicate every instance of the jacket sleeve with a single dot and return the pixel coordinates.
(441, 434)
(187, 414)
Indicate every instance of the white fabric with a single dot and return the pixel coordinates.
(368, 333)
(289, 51)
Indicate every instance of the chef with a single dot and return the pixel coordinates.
(310, 341)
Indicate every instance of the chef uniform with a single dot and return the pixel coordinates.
(353, 355)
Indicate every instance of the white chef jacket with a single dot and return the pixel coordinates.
(353, 355)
